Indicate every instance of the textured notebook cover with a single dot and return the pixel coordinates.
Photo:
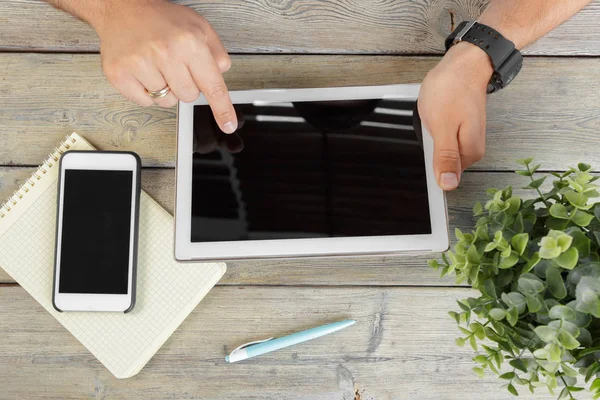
(167, 291)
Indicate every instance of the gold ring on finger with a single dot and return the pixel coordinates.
(159, 94)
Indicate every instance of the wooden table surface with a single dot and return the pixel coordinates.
(402, 347)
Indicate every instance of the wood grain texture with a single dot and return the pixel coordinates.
(402, 347)
(302, 26)
(549, 112)
(381, 270)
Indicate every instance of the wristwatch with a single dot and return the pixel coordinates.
(506, 59)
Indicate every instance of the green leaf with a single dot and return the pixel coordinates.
(580, 241)
(480, 359)
(533, 303)
(578, 200)
(465, 331)
(482, 233)
(507, 375)
(584, 167)
(582, 218)
(568, 259)
(518, 364)
(477, 209)
(506, 252)
(523, 172)
(445, 258)
(555, 282)
(472, 255)
(473, 343)
(458, 233)
(530, 286)
(479, 371)
(566, 326)
(563, 394)
(595, 386)
(497, 314)
(514, 203)
(516, 300)
(555, 223)
(519, 242)
(562, 312)
(512, 389)
(512, 316)
(569, 371)
(536, 183)
(567, 340)
(460, 342)
(498, 358)
(491, 192)
(489, 288)
(464, 306)
(519, 223)
(532, 262)
(563, 241)
(433, 264)
(478, 330)
(511, 260)
(490, 246)
(504, 277)
(557, 210)
(541, 354)
(592, 370)
(554, 353)
(549, 248)
(597, 212)
(546, 333)
(591, 193)
(454, 316)
(525, 161)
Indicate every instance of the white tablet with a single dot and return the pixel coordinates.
(310, 172)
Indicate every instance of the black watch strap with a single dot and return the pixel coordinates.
(506, 59)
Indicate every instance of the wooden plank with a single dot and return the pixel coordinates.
(550, 111)
(382, 270)
(308, 26)
(402, 346)
(83, 101)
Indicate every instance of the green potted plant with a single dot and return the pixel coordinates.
(536, 264)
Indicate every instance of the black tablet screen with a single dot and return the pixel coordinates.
(309, 169)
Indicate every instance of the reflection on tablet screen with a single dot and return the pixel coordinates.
(309, 169)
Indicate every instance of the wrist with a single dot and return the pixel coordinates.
(471, 61)
(108, 11)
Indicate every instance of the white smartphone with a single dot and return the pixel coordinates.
(96, 231)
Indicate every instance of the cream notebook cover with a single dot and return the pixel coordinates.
(167, 291)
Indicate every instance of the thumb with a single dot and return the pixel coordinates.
(446, 160)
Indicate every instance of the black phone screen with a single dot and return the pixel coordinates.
(96, 229)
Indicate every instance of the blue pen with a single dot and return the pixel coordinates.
(259, 347)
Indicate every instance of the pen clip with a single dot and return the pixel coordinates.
(250, 344)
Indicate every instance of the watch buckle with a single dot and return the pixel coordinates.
(463, 32)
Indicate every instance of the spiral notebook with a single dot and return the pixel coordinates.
(167, 291)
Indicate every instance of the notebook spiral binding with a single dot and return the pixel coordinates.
(37, 175)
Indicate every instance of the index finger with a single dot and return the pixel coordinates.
(208, 78)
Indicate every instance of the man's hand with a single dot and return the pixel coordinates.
(154, 43)
(452, 107)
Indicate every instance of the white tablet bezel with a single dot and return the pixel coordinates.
(186, 250)
(93, 301)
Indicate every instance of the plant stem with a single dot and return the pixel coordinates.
(538, 189)
(567, 387)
